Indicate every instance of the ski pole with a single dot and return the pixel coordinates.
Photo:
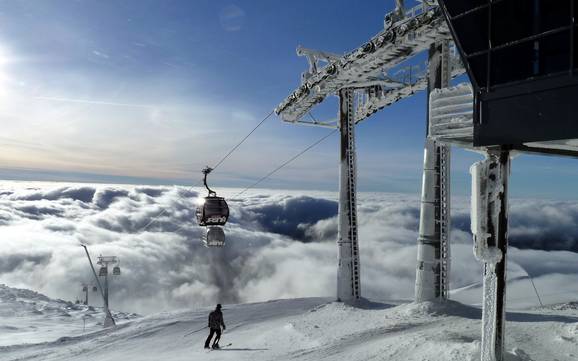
(190, 333)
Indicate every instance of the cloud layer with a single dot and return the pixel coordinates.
(279, 244)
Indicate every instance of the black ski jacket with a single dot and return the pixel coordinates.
(216, 320)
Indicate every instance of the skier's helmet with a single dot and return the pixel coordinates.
(218, 306)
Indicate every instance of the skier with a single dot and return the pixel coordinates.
(215, 323)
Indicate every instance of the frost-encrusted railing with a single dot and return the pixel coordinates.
(489, 180)
(485, 208)
(451, 114)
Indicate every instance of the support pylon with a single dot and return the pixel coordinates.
(348, 279)
(432, 274)
(490, 229)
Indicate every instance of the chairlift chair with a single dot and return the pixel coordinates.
(84, 288)
(94, 289)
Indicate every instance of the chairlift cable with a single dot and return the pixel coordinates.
(242, 140)
(189, 190)
(287, 162)
(275, 170)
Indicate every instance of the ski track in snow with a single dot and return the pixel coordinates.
(296, 329)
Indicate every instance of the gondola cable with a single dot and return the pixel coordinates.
(284, 164)
(228, 154)
(189, 190)
(242, 140)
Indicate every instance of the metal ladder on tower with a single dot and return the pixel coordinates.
(444, 226)
(444, 154)
(352, 191)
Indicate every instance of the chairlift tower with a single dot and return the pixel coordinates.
(433, 249)
(85, 289)
(521, 99)
(367, 80)
(348, 271)
(522, 63)
(104, 262)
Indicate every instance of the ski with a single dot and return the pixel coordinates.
(220, 347)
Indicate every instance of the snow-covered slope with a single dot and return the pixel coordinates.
(304, 329)
(30, 317)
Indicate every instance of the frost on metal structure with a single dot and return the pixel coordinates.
(368, 79)
(315, 57)
(402, 84)
(451, 121)
(348, 278)
(451, 114)
(367, 66)
(489, 222)
(433, 252)
(104, 262)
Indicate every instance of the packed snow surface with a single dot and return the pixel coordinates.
(30, 317)
(294, 329)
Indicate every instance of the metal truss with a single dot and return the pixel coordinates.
(371, 68)
(348, 275)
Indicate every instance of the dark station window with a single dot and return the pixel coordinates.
(479, 68)
(553, 54)
(473, 31)
(576, 47)
(554, 14)
(460, 7)
(512, 20)
(545, 56)
(523, 39)
(512, 63)
(518, 19)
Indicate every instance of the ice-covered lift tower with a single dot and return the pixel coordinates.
(367, 79)
(522, 61)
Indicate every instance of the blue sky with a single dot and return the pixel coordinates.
(150, 91)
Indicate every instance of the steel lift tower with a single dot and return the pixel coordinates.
(366, 80)
(433, 251)
(522, 62)
(104, 262)
(85, 288)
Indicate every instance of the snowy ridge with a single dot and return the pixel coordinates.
(30, 317)
(317, 329)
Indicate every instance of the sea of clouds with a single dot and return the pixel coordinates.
(280, 244)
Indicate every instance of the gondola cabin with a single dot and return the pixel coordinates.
(116, 271)
(103, 271)
(213, 212)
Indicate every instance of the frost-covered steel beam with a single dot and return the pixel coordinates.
(433, 252)
(412, 81)
(451, 112)
(421, 26)
(348, 279)
(489, 225)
